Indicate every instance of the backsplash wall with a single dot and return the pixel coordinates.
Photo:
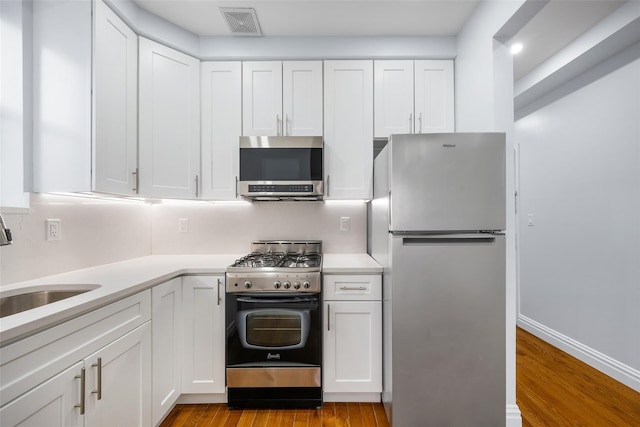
(92, 232)
(99, 231)
(231, 227)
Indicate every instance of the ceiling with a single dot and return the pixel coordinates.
(556, 25)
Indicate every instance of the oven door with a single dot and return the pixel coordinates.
(273, 331)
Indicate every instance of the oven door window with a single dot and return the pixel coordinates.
(273, 329)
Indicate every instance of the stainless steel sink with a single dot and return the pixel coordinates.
(18, 303)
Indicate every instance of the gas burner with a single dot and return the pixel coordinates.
(272, 260)
(277, 266)
(260, 260)
(301, 261)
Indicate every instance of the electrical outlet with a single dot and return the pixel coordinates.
(183, 225)
(52, 229)
(345, 223)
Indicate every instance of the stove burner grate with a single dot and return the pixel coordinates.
(278, 259)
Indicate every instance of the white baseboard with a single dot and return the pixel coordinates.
(350, 397)
(605, 364)
(202, 398)
(514, 417)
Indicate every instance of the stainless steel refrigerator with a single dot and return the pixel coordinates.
(437, 227)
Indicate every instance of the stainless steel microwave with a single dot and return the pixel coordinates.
(281, 167)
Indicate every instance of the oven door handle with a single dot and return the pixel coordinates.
(285, 300)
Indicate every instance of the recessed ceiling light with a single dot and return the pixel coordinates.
(516, 48)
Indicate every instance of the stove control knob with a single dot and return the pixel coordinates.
(287, 285)
(247, 284)
(277, 285)
(296, 285)
(306, 284)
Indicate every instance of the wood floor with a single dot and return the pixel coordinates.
(556, 389)
(331, 415)
(553, 389)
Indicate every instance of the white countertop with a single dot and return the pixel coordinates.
(125, 278)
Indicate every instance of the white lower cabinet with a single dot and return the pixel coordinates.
(94, 370)
(118, 381)
(204, 334)
(166, 306)
(52, 403)
(352, 363)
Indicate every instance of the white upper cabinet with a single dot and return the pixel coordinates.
(413, 97)
(262, 98)
(61, 96)
(169, 122)
(348, 129)
(221, 103)
(434, 96)
(282, 98)
(302, 98)
(393, 97)
(115, 103)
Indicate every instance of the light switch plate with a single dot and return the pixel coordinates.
(345, 223)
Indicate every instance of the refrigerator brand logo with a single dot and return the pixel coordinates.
(449, 145)
(273, 356)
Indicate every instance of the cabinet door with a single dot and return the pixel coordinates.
(53, 403)
(116, 103)
(166, 326)
(434, 96)
(348, 129)
(393, 97)
(118, 391)
(262, 98)
(302, 97)
(169, 120)
(61, 95)
(221, 86)
(204, 334)
(352, 346)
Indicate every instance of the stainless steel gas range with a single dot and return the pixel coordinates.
(274, 337)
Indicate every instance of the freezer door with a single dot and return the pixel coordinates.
(442, 182)
(448, 331)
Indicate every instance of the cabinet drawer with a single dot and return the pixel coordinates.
(352, 287)
(33, 360)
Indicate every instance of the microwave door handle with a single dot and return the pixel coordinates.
(236, 186)
(328, 177)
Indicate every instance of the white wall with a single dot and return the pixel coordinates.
(100, 231)
(580, 179)
(231, 227)
(93, 232)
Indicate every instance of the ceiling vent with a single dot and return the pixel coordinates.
(241, 21)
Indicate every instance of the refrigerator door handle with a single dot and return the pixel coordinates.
(389, 209)
(436, 239)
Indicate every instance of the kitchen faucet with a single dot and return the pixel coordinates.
(5, 233)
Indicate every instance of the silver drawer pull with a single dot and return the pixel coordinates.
(82, 403)
(352, 288)
(99, 366)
